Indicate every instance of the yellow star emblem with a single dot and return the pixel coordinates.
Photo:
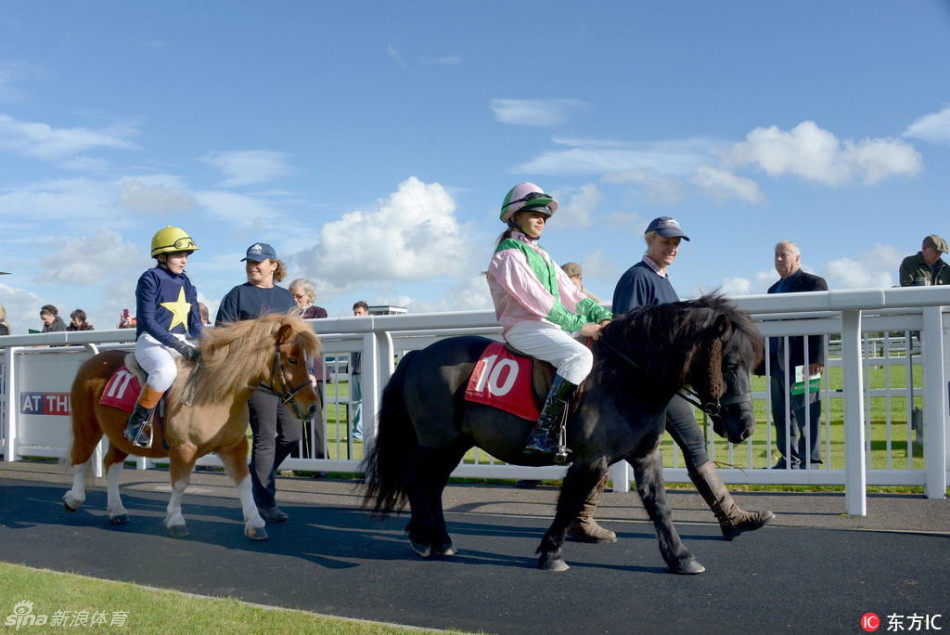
(179, 310)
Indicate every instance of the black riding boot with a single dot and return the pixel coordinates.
(544, 437)
(135, 427)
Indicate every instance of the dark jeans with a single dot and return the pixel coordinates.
(276, 433)
(790, 435)
(682, 426)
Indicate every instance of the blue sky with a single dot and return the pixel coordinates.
(372, 142)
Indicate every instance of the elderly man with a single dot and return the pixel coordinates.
(791, 435)
(576, 274)
(926, 268)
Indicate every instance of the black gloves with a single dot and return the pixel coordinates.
(189, 352)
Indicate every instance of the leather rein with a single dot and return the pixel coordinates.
(286, 393)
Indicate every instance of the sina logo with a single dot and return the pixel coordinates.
(23, 616)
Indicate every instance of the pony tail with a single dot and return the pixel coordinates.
(385, 467)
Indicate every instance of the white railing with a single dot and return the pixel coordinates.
(867, 329)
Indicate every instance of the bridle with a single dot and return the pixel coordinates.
(285, 393)
(712, 408)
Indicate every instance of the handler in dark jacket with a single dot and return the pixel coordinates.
(793, 450)
(926, 268)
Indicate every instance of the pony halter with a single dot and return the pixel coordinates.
(285, 393)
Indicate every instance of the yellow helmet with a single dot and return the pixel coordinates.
(172, 239)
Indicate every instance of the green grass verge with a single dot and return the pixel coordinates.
(150, 610)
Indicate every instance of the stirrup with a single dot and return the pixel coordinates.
(141, 439)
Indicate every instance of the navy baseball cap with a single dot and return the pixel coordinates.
(666, 227)
(259, 252)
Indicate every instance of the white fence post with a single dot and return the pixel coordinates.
(855, 488)
(935, 403)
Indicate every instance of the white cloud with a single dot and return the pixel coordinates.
(79, 200)
(625, 221)
(85, 260)
(934, 127)
(593, 156)
(469, 294)
(576, 208)
(246, 211)
(723, 186)
(814, 154)
(394, 53)
(447, 60)
(42, 141)
(874, 268)
(737, 286)
(249, 167)
(413, 235)
(157, 198)
(659, 189)
(534, 112)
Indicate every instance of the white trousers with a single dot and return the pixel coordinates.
(157, 360)
(548, 342)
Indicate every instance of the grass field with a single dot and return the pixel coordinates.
(135, 609)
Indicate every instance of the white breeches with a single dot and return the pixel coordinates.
(157, 360)
(548, 342)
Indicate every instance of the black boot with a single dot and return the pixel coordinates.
(545, 436)
(135, 428)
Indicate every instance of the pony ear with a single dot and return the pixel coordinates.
(720, 326)
(284, 334)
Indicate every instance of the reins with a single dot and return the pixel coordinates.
(710, 408)
(285, 394)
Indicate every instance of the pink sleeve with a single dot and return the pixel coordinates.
(509, 268)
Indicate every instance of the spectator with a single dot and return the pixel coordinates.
(575, 273)
(4, 325)
(791, 435)
(167, 302)
(51, 320)
(314, 438)
(78, 321)
(647, 283)
(926, 268)
(360, 308)
(304, 294)
(126, 321)
(203, 312)
(276, 432)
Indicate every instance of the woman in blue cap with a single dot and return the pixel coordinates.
(276, 432)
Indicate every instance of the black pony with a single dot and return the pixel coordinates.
(641, 360)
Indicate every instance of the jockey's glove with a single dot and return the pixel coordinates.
(189, 352)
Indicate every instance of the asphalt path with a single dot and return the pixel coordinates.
(334, 559)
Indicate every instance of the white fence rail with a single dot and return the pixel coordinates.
(884, 393)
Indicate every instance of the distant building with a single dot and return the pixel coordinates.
(387, 309)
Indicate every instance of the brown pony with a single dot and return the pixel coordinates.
(206, 411)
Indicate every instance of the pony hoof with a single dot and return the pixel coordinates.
(689, 567)
(547, 563)
(177, 531)
(444, 549)
(121, 519)
(256, 534)
(70, 508)
(423, 550)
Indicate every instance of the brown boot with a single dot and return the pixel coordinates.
(585, 528)
(732, 520)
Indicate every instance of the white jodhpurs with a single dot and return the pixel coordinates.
(548, 342)
(157, 360)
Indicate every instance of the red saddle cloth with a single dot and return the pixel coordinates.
(122, 390)
(503, 380)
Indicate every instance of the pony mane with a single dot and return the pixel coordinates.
(240, 354)
(664, 340)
